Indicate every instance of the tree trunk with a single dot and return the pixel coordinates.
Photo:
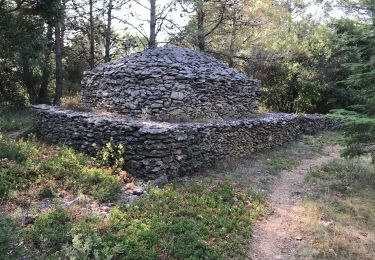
(46, 71)
(28, 78)
(152, 41)
(92, 39)
(107, 58)
(201, 34)
(59, 71)
(233, 40)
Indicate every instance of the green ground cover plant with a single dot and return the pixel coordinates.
(26, 164)
(192, 221)
(15, 121)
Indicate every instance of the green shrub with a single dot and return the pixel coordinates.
(100, 184)
(65, 165)
(14, 121)
(86, 241)
(31, 163)
(48, 190)
(359, 132)
(111, 155)
(9, 239)
(19, 151)
(50, 231)
(193, 221)
(6, 184)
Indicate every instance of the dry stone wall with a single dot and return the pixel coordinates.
(170, 83)
(154, 149)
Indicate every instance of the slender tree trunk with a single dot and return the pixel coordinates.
(152, 41)
(233, 40)
(28, 78)
(92, 38)
(59, 70)
(107, 58)
(46, 72)
(201, 34)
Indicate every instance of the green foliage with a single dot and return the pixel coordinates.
(19, 151)
(9, 239)
(48, 190)
(14, 121)
(25, 163)
(192, 221)
(359, 132)
(195, 220)
(101, 184)
(50, 230)
(86, 241)
(6, 184)
(111, 155)
(344, 176)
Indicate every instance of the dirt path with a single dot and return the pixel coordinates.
(276, 237)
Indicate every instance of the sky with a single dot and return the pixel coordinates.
(141, 15)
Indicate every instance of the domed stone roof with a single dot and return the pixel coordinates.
(170, 60)
(170, 83)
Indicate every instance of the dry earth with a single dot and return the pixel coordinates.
(278, 236)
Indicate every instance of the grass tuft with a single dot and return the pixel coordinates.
(342, 210)
(15, 121)
(25, 164)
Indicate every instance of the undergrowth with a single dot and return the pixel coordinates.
(195, 219)
(287, 157)
(342, 210)
(192, 221)
(15, 121)
(26, 164)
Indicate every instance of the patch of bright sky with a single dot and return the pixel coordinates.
(321, 12)
(138, 15)
(141, 13)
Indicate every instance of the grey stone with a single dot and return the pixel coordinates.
(161, 181)
(197, 83)
(155, 149)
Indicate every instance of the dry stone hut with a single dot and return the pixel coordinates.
(170, 83)
(171, 87)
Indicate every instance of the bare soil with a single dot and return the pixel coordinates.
(278, 235)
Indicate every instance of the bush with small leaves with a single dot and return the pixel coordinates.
(50, 231)
(111, 155)
(101, 184)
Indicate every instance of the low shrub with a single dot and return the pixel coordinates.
(73, 103)
(19, 151)
(86, 241)
(101, 184)
(193, 221)
(6, 184)
(9, 239)
(48, 189)
(190, 221)
(50, 231)
(29, 163)
(111, 155)
(15, 121)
